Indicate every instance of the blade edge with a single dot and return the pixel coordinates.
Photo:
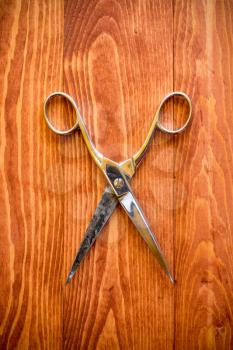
(135, 213)
(101, 216)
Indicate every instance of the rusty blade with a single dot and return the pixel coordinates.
(103, 212)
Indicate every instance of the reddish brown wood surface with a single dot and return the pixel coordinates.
(124, 299)
(31, 219)
(203, 229)
(118, 59)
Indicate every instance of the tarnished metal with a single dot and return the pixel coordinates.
(103, 212)
(117, 175)
(118, 183)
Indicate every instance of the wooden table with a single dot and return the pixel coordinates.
(118, 58)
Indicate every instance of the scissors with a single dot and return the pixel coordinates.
(118, 176)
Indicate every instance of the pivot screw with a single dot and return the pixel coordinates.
(118, 183)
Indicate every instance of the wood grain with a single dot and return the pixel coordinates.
(122, 292)
(31, 220)
(118, 59)
(204, 299)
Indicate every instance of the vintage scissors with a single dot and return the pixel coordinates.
(118, 176)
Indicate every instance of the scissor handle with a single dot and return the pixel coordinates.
(184, 126)
(78, 124)
(47, 119)
(157, 124)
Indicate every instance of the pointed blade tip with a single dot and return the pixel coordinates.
(172, 279)
(68, 279)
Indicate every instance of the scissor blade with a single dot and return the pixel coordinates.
(103, 212)
(132, 208)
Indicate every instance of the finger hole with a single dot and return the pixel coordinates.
(60, 113)
(175, 113)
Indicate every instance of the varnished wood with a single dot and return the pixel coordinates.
(31, 219)
(118, 59)
(121, 288)
(203, 66)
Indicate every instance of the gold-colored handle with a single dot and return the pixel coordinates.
(157, 124)
(78, 124)
(184, 126)
(47, 119)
